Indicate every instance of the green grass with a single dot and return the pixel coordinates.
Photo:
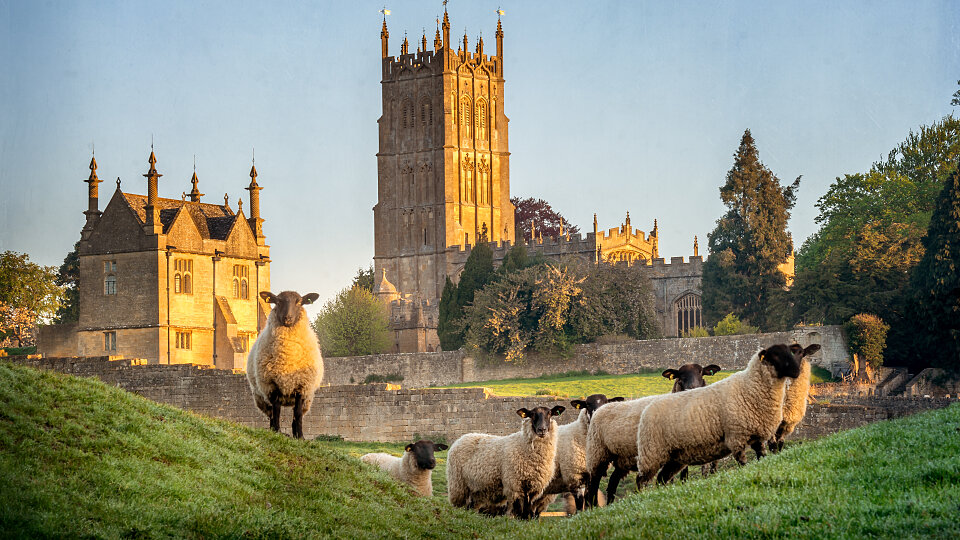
(81, 459)
(577, 385)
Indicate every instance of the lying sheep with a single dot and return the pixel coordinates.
(414, 468)
(284, 367)
(794, 399)
(571, 474)
(688, 377)
(495, 474)
(705, 424)
(612, 438)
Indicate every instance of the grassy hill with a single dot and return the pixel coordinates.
(81, 459)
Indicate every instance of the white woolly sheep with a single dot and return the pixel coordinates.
(284, 367)
(688, 377)
(705, 424)
(494, 474)
(794, 400)
(571, 474)
(415, 468)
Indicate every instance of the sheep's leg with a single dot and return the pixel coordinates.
(298, 415)
(596, 475)
(615, 478)
(275, 409)
(758, 448)
(741, 456)
(579, 500)
(669, 471)
(684, 473)
(644, 477)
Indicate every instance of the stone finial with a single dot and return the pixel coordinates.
(384, 37)
(696, 247)
(480, 46)
(499, 35)
(437, 40)
(152, 176)
(424, 49)
(405, 46)
(226, 200)
(466, 42)
(195, 192)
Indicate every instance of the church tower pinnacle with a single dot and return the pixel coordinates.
(93, 203)
(152, 226)
(255, 221)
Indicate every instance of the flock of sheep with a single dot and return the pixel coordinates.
(522, 473)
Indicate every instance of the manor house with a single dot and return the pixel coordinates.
(444, 182)
(168, 280)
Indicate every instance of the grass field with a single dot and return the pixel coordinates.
(81, 459)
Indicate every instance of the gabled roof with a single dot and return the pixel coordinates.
(214, 221)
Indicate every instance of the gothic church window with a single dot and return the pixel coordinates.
(689, 313)
(481, 119)
(465, 117)
(241, 275)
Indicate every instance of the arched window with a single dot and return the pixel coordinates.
(468, 188)
(236, 288)
(176, 283)
(244, 292)
(187, 284)
(465, 117)
(481, 119)
(689, 313)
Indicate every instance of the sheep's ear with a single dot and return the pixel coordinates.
(268, 297)
(712, 369)
(811, 349)
(309, 299)
(618, 398)
(557, 410)
(523, 413)
(439, 447)
(763, 355)
(578, 403)
(670, 373)
(409, 448)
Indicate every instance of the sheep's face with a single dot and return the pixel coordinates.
(287, 305)
(783, 360)
(800, 353)
(541, 418)
(593, 402)
(689, 376)
(422, 452)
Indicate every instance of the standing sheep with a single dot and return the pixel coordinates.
(571, 475)
(284, 367)
(794, 400)
(705, 424)
(688, 377)
(495, 474)
(414, 468)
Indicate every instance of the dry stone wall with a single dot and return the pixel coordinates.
(384, 412)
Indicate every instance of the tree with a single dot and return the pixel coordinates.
(731, 326)
(956, 98)
(936, 281)
(617, 300)
(364, 278)
(68, 278)
(29, 293)
(477, 271)
(353, 323)
(753, 234)
(546, 220)
(867, 337)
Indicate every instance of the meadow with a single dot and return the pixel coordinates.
(79, 458)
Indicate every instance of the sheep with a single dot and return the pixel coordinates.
(794, 400)
(705, 424)
(688, 377)
(612, 433)
(571, 475)
(495, 474)
(284, 367)
(414, 468)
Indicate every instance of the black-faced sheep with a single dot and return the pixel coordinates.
(794, 398)
(494, 474)
(284, 367)
(414, 468)
(688, 377)
(571, 474)
(705, 424)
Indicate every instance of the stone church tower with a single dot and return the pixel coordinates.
(443, 173)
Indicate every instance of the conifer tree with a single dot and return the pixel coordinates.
(752, 238)
(477, 271)
(446, 331)
(936, 280)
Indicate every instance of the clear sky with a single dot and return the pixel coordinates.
(613, 107)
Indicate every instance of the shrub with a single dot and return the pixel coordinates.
(390, 377)
(731, 325)
(353, 323)
(867, 337)
(697, 331)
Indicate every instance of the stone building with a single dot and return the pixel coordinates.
(171, 281)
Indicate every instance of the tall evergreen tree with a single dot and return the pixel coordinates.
(936, 280)
(450, 338)
(477, 271)
(753, 235)
(68, 277)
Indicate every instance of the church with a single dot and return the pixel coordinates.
(444, 182)
(170, 281)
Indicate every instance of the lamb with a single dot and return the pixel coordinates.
(794, 401)
(284, 367)
(494, 474)
(571, 464)
(414, 468)
(705, 424)
(611, 436)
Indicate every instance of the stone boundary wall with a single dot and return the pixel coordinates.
(443, 368)
(383, 412)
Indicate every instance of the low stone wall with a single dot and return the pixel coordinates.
(443, 368)
(382, 412)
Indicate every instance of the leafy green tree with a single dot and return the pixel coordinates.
(867, 337)
(477, 271)
(753, 234)
(68, 278)
(364, 278)
(732, 326)
(936, 281)
(353, 323)
(617, 300)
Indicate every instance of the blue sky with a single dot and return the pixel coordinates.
(613, 107)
